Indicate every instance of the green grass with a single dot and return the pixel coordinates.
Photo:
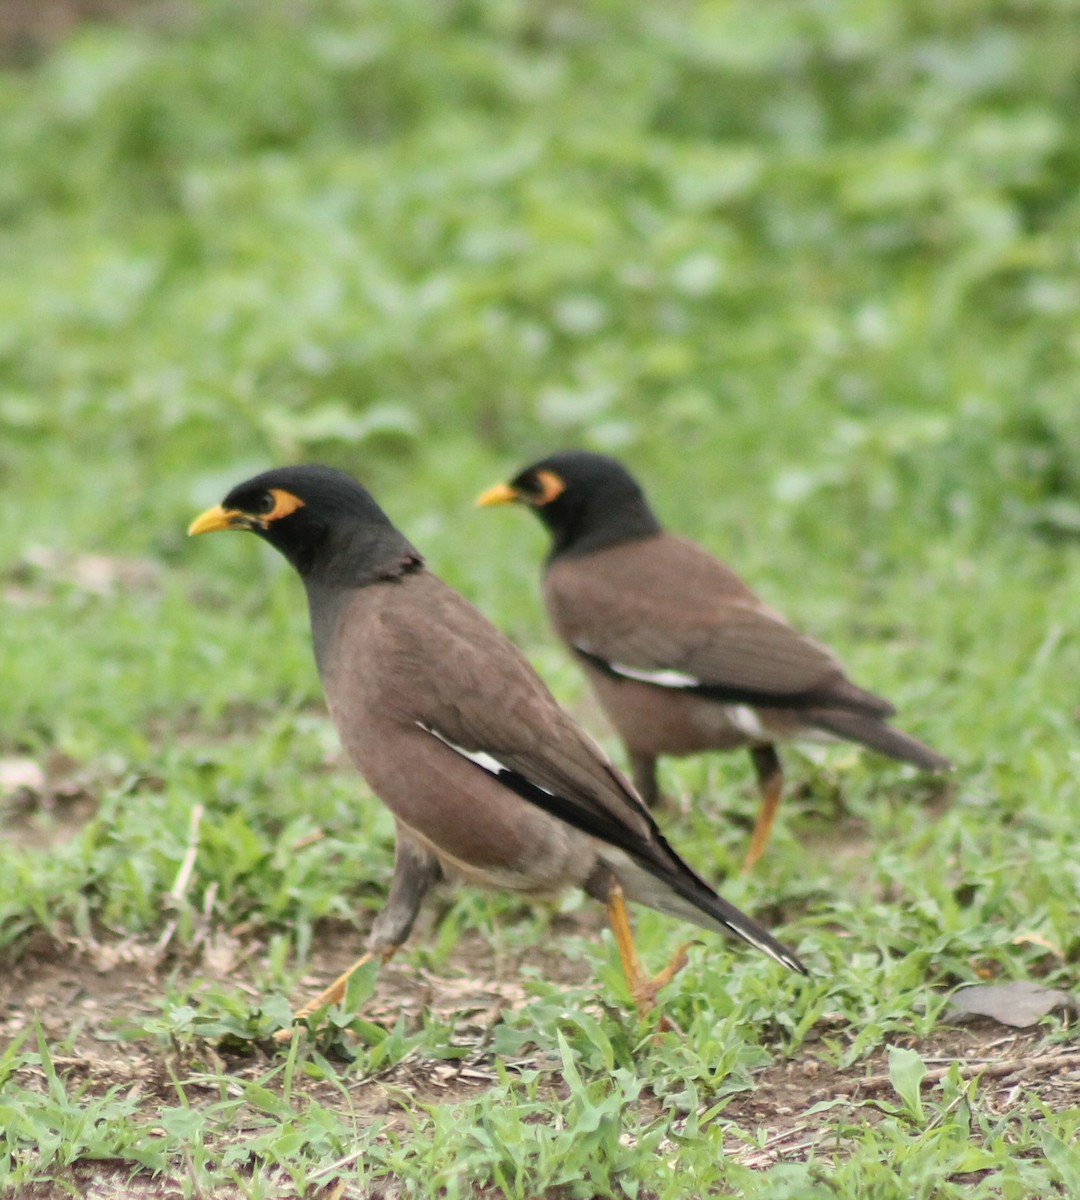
(811, 270)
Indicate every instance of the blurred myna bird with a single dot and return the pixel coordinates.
(488, 779)
(682, 655)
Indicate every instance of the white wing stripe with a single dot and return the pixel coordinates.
(664, 678)
(486, 762)
(746, 721)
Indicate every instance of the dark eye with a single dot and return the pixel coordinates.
(266, 504)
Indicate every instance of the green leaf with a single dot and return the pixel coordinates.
(183, 1122)
(1065, 1160)
(906, 1073)
(361, 986)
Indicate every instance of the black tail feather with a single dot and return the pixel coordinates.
(875, 734)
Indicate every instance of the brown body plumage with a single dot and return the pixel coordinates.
(683, 656)
(488, 779)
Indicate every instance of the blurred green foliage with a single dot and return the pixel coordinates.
(845, 230)
(812, 267)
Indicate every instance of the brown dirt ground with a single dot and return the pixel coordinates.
(95, 998)
(30, 28)
(83, 991)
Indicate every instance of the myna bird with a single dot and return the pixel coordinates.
(488, 779)
(681, 654)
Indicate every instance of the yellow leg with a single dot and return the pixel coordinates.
(335, 992)
(643, 988)
(771, 783)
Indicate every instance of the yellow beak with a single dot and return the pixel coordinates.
(218, 518)
(501, 493)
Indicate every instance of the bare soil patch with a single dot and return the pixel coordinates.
(95, 999)
(29, 29)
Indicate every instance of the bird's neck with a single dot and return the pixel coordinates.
(337, 580)
(356, 558)
(583, 532)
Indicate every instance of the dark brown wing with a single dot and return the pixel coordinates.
(443, 668)
(470, 686)
(664, 610)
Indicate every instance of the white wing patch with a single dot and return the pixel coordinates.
(746, 721)
(486, 762)
(663, 678)
(742, 716)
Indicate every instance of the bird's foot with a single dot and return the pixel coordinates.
(752, 855)
(771, 783)
(333, 994)
(644, 988)
(759, 839)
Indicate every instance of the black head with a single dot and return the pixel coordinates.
(586, 500)
(321, 519)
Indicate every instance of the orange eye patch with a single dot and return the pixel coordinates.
(551, 486)
(284, 504)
